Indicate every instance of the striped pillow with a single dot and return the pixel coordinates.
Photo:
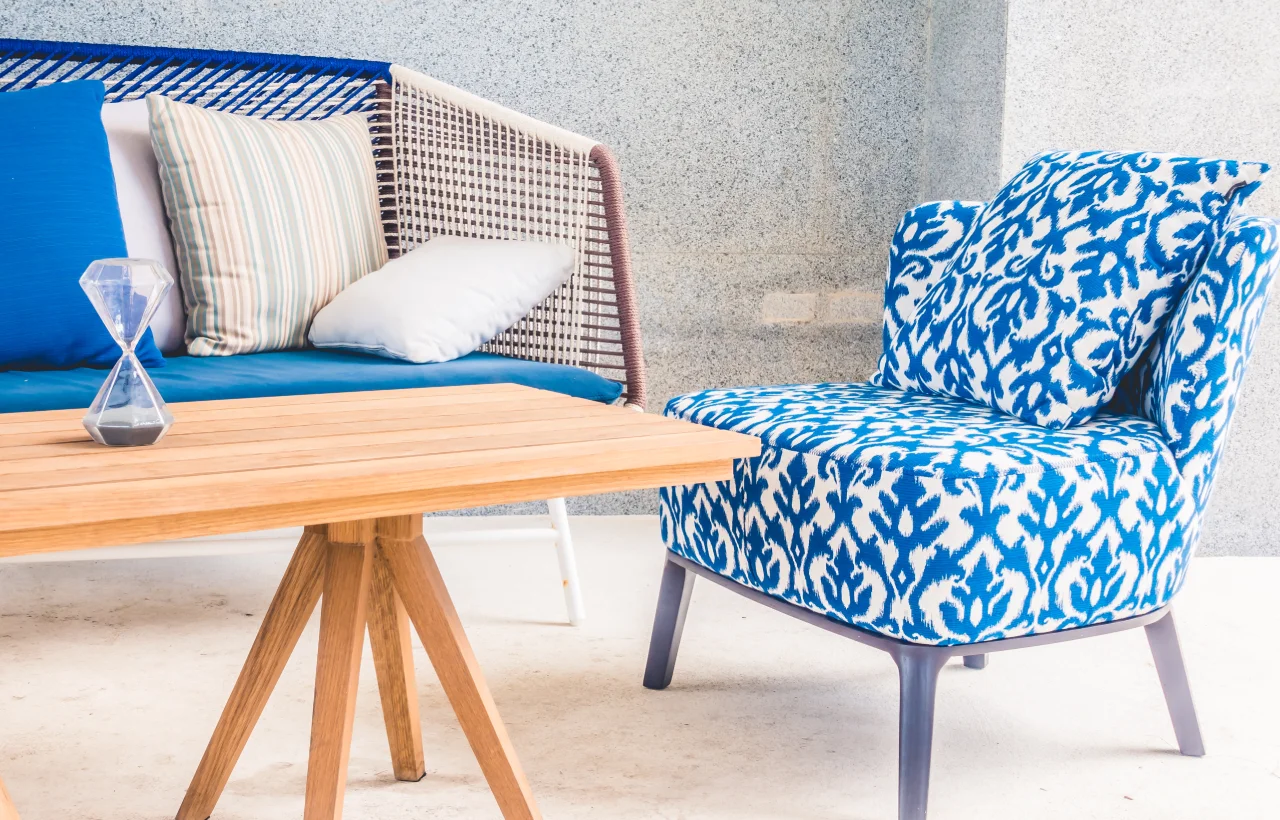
(270, 220)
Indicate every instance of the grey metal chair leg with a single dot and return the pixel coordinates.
(668, 624)
(975, 661)
(1163, 637)
(918, 668)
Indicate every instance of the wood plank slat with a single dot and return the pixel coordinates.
(301, 453)
(75, 440)
(27, 508)
(249, 412)
(179, 438)
(142, 528)
(90, 455)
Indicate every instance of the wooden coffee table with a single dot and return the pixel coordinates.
(357, 470)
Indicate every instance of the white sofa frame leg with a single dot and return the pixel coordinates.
(568, 563)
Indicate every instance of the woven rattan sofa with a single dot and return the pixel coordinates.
(449, 164)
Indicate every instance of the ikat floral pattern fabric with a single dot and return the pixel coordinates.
(944, 522)
(1067, 276)
(1189, 382)
(923, 246)
(934, 520)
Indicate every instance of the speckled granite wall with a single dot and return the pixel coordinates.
(1193, 76)
(964, 103)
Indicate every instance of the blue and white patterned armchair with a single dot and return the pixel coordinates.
(931, 527)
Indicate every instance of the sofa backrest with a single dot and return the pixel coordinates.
(1189, 380)
(267, 86)
(449, 164)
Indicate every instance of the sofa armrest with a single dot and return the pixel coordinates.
(465, 166)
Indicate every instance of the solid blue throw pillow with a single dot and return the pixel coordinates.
(58, 213)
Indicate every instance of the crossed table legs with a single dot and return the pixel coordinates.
(378, 571)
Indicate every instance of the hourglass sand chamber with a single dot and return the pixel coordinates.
(128, 410)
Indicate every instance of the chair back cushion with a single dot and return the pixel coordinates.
(270, 220)
(1190, 380)
(58, 213)
(1069, 274)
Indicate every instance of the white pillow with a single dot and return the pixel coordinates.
(443, 299)
(146, 232)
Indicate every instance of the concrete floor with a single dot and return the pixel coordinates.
(112, 675)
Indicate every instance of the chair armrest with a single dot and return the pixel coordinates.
(1189, 381)
(926, 239)
(465, 166)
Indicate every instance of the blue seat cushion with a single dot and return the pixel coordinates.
(299, 372)
(58, 213)
(933, 520)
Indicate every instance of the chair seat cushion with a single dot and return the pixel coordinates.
(933, 520)
(299, 372)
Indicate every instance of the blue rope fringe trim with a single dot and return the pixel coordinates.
(64, 51)
(284, 86)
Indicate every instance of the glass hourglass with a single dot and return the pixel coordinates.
(128, 410)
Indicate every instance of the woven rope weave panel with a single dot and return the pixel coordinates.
(462, 171)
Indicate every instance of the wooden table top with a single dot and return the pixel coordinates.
(248, 464)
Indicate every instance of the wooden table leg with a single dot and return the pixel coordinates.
(381, 574)
(288, 614)
(389, 636)
(7, 810)
(347, 576)
(417, 579)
